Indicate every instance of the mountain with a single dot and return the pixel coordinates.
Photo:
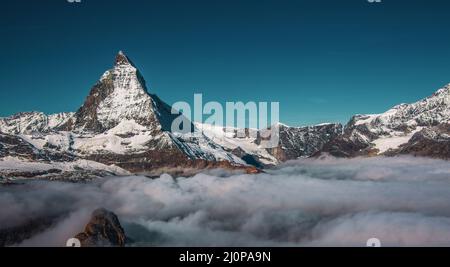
(294, 142)
(120, 128)
(303, 142)
(120, 95)
(403, 129)
(429, 142)
(29, 122)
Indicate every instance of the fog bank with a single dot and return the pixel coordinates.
(332, 202)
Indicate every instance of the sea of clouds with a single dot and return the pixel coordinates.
(402, 201)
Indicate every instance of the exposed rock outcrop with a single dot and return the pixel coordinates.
(303, 142)
(103, 230)
(431, 142)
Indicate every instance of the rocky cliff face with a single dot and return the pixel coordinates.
(304, 141)
(103, 230)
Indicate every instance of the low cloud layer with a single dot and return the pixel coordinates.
(332, 202)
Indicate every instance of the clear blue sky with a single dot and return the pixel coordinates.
(322, 60)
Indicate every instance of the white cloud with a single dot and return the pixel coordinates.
(402, 201)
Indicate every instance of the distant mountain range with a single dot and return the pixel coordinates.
(419, 129)
(122, 129)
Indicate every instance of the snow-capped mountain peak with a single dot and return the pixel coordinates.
(122, 59)
(120, 94)
(443, 91)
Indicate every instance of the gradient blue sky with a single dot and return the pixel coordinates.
(323, 60)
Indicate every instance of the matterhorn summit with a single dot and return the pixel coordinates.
(120, 94)
(122, 59)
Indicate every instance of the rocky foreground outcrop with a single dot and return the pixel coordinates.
(103, 230)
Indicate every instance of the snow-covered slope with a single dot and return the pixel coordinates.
(380, 133)
(16, 167)
(429, 111)
(31, 122)
(228, 138)
(294, 142)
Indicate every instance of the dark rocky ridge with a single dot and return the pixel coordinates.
(305, 141)
(103, 230)
(431, 142)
